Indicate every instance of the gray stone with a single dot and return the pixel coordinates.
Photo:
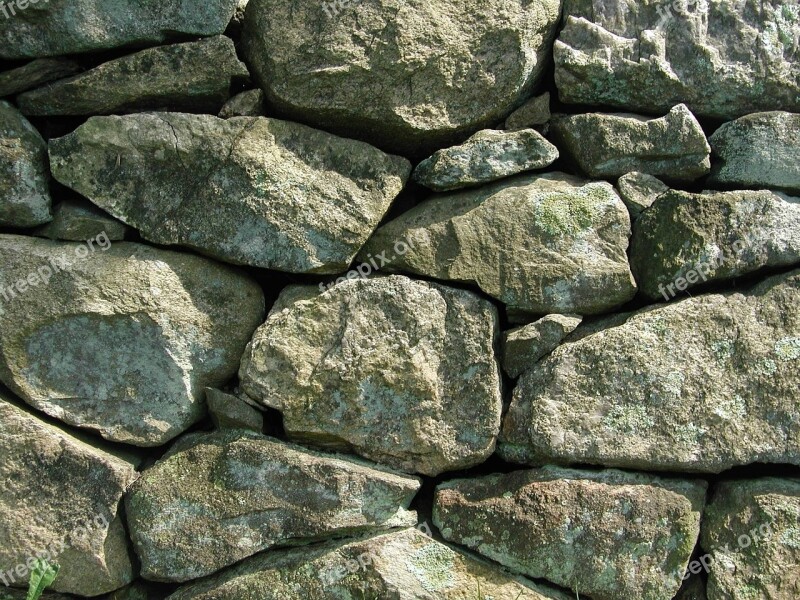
(535, 113)
(410, 76)
(723, 59)
(190, 77)
(120, 339)
(525, 346)
(225, 496)
(247, 104)
(36, 73)
(639, 191)
(246, 190)
(608, 535)
(230, 412)
(609, 146)
(24, 173)
(699, 385)
(78, 220)
(541, 244)
(399, 371)
(759, 150)
(61, 496)
(486, 156)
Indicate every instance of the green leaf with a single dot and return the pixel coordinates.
(42, 576)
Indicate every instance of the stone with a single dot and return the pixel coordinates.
(534, 113)
(78, 220)
(609, 146)
(59, 27)
(221, 497)
(229, 412)
(410, 76)
(12, 594)
(251, 103)
(246, 190)
(698, 385)
(524, 346)
(751, 532)
(693, 588)
(36, 73)
(639, 191)
(606, 535)
(538, 243)
(120, 339)
(723, 59)
(406, 565)
(24, 173)
(399, 371)
(190, 77)
(61, 497)
(486, 156)
(686, 240)
(758, 150)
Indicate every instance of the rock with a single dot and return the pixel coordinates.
(722, 59)
(230, 412)
(607, 534)
(639, 191)
(701, 385)
(251, 103)
(24, 173)
(486, 156)
(409, 76)
(77, 220)
(524, 346)
(693, 588)
(191, 77)
(399, 371)
(231, 494)
(60, 27)
(760, 150)
(610, 146)
(252, 191)
(405, 565)
(120, 339)
(534, 113)
(60, 498)
(751, 530)
(685, 240)
(36, 73)
(542, 244)
(12, 594)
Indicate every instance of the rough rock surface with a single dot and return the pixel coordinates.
(639, 191)
(403, 565)
(542, 244)
(229, 412)
(693, 588)
(61, 495)
(431, 71)
(608, 535)
(247, 104)
(759, 150)
(253, 191)
(524, 346)
(120, 339)
(77, 220)
(36, 73)
(535, 113)
(399, 371)
(606, 146)
(685, 240)
(701, 384)
(191, 77)
(58, 27)
(486, 156)
(24, 173)
(723, 59)
(218, 498)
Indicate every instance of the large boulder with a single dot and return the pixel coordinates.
(408, 75)
(120, 339)
(246, 190)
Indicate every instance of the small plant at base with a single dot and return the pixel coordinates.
(42, 575)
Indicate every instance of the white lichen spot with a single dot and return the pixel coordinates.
(788, 349)
(433, 567)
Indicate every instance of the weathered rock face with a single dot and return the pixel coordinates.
(60, 496)
(605, 534)
(229, 412)
(541, 244)
(759, 150)
(247, 104)
(24, 173)
(120, 339)
(433, 71)
(192, 77)
(218, 498)
(639, 191)
(751, 530)
(723, 59)
(535, 113)
(253, 191)
(399, 371)
(36, 73)
(685, 240)
(404, 565)
(78, 220)
(524, 346)
(608, 146)
(58, 27)
(702, 384)
(486, 156)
